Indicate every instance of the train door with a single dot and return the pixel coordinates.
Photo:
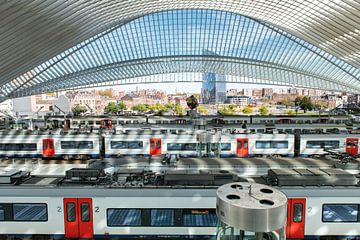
(155, 146)
(296, 218)
(78, 218)
(352, 146)
(242, 147)
(48, 147)
(106, 123)
(67, 124)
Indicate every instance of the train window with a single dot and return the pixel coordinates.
(70, 212)
(245, 144)
(225, 146)
(77, 145)
(298, 209)
(126, 144)
(2, 213)
(340, 213)
(239, 143)
(97, 122)
(118, 217)
(271, 144)
(162, 217)
(75, 122)
(181, 146)
(91, 122)
(85, 212)
(18, 147)
(30, 212)
(199, 218)
(158, 144)
(322, 144)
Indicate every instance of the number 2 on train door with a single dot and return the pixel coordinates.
(78, 218)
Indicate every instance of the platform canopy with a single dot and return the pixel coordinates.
(50, 45)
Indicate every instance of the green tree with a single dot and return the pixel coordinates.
(141, 107)
(263, 110)
(113, 107)
(202, 110)
(247, 110)
(225, 111)
(286, 102)
(78, 109)
(179, 110)
(304, 103)
(290, 112)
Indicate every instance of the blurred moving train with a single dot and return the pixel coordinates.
(151, 143)
(41, 208)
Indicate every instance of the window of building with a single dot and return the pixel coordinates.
(118, 217)
(126, 144)
(199, 218)
(322, 144)
(29, 212)
(340, 213)
(77, 144)
(272, 144)
(162, 217)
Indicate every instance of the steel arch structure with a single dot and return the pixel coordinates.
(55, 45)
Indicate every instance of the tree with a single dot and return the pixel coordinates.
(113, 107)
(78, 109)
(141, 107)
(263, 110)
(202, 110)
(179, 110)
(304, 103)
(247, 110)
(224, 111)
(192, 102)
(286, 102)
(290, 112)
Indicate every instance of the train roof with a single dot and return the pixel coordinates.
(137, 183)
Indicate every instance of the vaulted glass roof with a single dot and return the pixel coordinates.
(273, 45)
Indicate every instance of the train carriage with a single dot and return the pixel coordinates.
(316, 144)
(76, 212)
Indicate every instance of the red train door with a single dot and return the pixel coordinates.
(78, 218)
(48, 147)
(155, 146)
(352, 146)
(242, 147)
(296, 218)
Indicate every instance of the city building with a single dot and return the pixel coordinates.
(239, 100)
(213, 88)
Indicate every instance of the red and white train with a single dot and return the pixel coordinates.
(151, 213)
(21, 144)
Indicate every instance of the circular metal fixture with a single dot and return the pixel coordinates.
(251, 207)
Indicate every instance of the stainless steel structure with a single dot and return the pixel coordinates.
(251, 207)
(54, 45)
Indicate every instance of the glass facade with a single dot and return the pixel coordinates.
(213, 88)
(214, 42)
